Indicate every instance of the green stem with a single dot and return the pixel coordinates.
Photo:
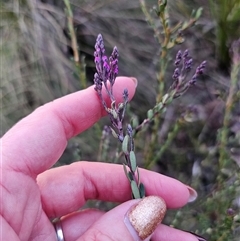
(163, 16)
(80, 66)
(223, 159)
(165, 146)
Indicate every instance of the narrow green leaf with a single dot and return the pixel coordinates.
(160, 106)
(164, 110)
(162, 6)
(170, 45)
(193, 13)
(198, 13)
(114, 114)
(114, 133)
(130, 175)
(169, 100)
(125, 144)
(133, 161)
(155, 109)
(135, 190)
(142, 190)
(150, 114)
(164, 99)
(134, 122)
(120, 106)
(126, 172)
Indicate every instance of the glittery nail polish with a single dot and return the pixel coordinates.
(145, 217)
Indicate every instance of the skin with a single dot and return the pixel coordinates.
(32, 194)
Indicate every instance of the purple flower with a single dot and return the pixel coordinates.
(107, 69)
(113, 65)
(178, 58)
(200, 68)
(185, 54)
(176, 74)
(184, 65)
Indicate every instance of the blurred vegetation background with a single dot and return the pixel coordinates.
(47, 52)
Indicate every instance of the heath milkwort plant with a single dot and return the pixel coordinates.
(181, 83)
(183, 63)
(107, 71)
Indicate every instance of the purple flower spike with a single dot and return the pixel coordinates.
(176, 74)
(178, 58)
(100, 44)
(101, 60)
(188, 64)
(107, 68)
(97, 82)
(201, 67)
(125, 95)
(113, 62)
(185, 54)
(184, 65)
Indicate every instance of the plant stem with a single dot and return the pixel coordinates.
(167, 143)
(223, 159)
(80, 66)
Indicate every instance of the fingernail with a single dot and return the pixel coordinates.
(135, 81)
(144, 217)
(192, 194)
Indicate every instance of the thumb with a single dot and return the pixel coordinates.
(132, 220)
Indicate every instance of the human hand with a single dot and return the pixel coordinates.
(32, 194)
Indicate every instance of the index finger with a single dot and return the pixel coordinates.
(35, 143)
(65, 189)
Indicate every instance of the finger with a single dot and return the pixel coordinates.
(166, 233)
(111, 225)
(35, 143)
(65, 189)
(114, 225)
(76, 224)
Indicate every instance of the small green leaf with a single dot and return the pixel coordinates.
(160, 106)
(126, 172)
(162, 6)
(120, 106)
(185, 25)
(125, 144)
(133, 161)
(130, 175)
(150, 114)
(142, 190)
(114, 133)
(135, 190)
(164, 110)
(198, 13)
(155, 109)
(169, 100)
(134, 122)
(114, 114)
(164, 99)
(170, 45)
(193, 13)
